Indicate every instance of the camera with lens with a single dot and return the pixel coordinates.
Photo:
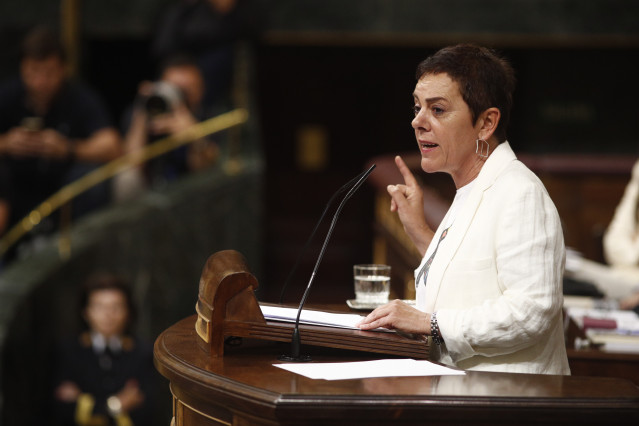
(162, 98)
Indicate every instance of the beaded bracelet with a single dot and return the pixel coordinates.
(434, 330)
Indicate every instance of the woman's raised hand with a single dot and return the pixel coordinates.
(407, 200)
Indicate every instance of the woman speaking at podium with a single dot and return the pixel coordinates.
(489, 287)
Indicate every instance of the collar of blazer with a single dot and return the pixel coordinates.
(501, 157)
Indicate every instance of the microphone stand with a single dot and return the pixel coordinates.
(306, 245)
(295, 339)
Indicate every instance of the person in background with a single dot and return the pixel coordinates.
(104, 376)
(621, 241)
(162, 108)
(489, 288)
(618, 279)
(52, 130)
(208, 31)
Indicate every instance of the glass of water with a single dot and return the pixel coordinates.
(372, 283)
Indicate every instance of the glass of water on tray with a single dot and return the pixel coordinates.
(372, 283)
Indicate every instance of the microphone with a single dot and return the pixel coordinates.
(295, 339)
(308, 242)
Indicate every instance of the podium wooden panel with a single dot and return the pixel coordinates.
(244, 388)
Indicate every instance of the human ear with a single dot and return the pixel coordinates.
(488, 122)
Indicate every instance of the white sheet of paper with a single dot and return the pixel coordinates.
(280, 313)
(368, 369)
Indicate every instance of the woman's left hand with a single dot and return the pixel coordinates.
(397, 315)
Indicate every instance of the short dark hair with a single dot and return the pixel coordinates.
(42, 43)
(107, 281)
(485, 79)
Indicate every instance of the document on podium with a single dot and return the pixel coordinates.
(326, 319)
(369, 369)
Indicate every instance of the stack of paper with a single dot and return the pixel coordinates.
(327, 319)
(616, 330)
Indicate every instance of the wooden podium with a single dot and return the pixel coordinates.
(227, 307)
(218, 383)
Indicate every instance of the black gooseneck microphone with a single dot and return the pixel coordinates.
(295, 339)
(306, 245)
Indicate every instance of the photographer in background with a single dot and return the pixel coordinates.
(52, 131)
(163, 108)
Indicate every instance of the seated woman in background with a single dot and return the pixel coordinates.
(103, 377)
(621, 240)
(618, 280)
(489, 288)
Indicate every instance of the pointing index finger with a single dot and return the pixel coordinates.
(409, 179)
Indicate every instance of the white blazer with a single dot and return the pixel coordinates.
(496, 280)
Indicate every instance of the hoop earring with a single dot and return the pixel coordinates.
(480, 151)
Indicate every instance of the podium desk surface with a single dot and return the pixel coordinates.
(244, 387)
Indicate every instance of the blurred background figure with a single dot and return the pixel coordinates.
(619, 279)
(104, 376)
(162, 108)
(208, 30)
(52, 131)
(621, 240)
